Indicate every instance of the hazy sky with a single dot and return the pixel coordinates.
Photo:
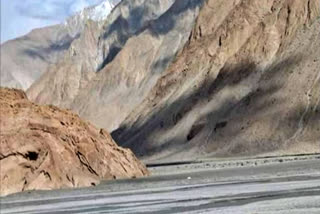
(18, 17)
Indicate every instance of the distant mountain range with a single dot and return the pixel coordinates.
(25, 59)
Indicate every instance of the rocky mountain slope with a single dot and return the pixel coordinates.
(175, 79)
(139, 40)
(25, 59)
(247, 83)
(43, 147)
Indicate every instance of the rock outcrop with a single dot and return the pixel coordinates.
(247, 83)
(43, 147)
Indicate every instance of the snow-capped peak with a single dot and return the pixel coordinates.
(100, 11)
(96, 13)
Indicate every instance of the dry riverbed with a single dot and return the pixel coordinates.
(263, 185)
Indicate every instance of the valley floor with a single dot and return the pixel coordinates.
(265, 185)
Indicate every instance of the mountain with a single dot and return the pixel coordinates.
(181, 79)
(25, 59)
(247, 83)
(43, 147)
(137, 43)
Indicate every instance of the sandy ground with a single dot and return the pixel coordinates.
(265, 185)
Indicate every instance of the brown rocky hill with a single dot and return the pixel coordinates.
(43, 147)
(247, 83)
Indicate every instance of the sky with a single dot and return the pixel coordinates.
(18, 17)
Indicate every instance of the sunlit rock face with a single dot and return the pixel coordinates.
(44, 148)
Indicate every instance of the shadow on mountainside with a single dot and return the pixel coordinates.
(140, 137)
(166, 22)
(133, 25)
(40, 52)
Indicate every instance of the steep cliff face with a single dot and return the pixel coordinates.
(123, 83)
(25, 59)
(137, 43)
(247, 83)
(43, 147)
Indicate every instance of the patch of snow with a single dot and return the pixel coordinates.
(96, 13)
(101, 11)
